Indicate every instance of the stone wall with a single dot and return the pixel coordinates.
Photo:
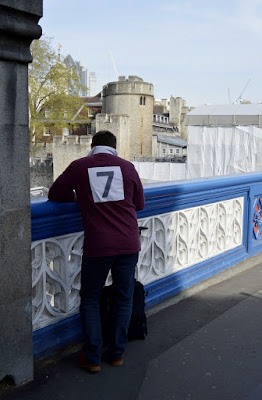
(67, 149)
(41, 165)
(41, 174)
(177, 115)
(119, 125)
(41, 151)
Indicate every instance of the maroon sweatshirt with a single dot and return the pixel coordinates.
(109, 193)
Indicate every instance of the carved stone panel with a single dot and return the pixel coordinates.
(173, 242)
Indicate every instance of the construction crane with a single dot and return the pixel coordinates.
(113, 64)
(240, 96)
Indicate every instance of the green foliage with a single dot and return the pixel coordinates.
(53, 89)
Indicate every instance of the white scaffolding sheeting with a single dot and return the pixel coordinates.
(160, 171)
(223, 150)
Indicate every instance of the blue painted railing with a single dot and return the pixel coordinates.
(51, 219)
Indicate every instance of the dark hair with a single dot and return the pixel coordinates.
(104, 138)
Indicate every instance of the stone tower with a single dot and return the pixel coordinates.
(177, 115)
(129, 100)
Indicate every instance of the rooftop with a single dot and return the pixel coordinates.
(227, 109)
(225, 115)
(173, 140)
(94, 101)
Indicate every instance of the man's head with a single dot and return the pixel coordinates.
(104, 138)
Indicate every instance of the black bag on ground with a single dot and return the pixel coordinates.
(138, 324)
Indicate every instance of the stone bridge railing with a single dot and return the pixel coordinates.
(196, 229)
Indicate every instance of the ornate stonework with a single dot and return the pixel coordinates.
(173, 242)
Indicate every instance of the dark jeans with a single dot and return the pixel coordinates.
(93, 276)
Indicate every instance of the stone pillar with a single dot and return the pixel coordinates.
(18, 27)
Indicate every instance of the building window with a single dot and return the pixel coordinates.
(46, 132)
(177, 151)
(171, 151)
(164, 151)
(142, 101)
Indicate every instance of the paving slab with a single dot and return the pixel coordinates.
(223, 318)
(221, 361)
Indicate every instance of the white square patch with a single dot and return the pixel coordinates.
(106, 184)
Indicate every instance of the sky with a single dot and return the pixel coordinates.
(205, 51)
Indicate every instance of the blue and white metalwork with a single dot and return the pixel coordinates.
(196, 229)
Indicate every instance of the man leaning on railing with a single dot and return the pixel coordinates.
(109, 193)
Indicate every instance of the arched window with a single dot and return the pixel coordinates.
(144, 102)
(141, 101)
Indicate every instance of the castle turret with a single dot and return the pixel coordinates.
(134, 98)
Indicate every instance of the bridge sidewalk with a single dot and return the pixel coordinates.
(206, 347)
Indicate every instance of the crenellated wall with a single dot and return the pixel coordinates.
(67, 149)
(41, 150)
(120, 126)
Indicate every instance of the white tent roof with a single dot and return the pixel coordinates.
(226, 115)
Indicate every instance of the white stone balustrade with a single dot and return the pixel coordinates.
(174, 241)
(180, 239)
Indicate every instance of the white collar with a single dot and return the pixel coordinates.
(103, 149)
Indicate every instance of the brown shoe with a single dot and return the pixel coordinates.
(83, 363)
(117, 363)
